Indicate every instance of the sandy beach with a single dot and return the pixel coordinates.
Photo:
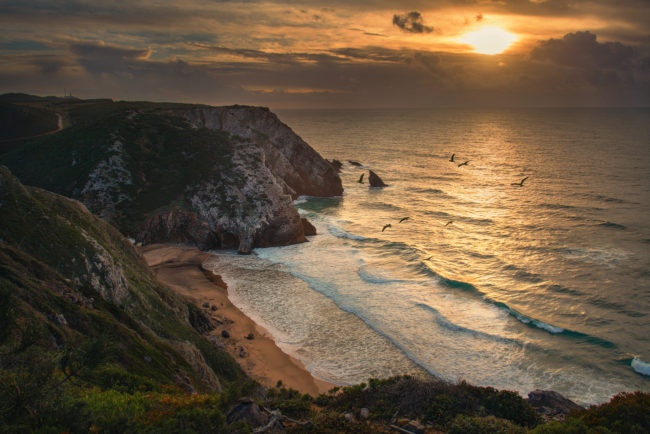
(179, 267)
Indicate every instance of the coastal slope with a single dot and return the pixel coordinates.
(77, 299)
(213, 177)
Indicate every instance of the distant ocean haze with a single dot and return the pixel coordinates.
(540, 285)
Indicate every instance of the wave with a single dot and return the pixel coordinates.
(365, 275)
(342, 233)
(605, 198)
(426, 190)
(640, 366)
(612, 225)
(381, 206)
(445, 323)
(522, 274)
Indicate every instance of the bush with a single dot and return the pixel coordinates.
(625, 413)
(483, 425)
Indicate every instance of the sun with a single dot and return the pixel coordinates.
(489, 40)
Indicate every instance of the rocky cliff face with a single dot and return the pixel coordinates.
(215, 177)
(300, 168)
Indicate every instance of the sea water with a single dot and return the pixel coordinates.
(540, 286)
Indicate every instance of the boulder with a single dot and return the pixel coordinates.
(249, 412)
(415, 427)
(225, 334)
(308, 228)
(364, 413)
(550, 403)
(375, 180)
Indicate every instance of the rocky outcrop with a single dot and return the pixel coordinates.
(248, 411)
(176, 226)
(196, 360)
(551, 404)
(375, 180)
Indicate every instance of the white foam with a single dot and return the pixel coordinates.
(640, 366)
(341, 233)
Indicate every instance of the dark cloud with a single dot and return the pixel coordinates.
(600, 65)
(97, 57)
(411, 22)
(582, 50)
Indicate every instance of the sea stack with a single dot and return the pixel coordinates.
(375, 180)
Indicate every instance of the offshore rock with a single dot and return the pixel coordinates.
(307, 227)
(336, 164)
(375, 180)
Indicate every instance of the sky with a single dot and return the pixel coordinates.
(337, 54)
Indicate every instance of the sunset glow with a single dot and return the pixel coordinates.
(489, 40)
(306, 54)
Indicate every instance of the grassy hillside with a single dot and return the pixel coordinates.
(80, 313)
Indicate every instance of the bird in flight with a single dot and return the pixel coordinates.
(452, 157)
(463, 164)
(520, 183)
(448, 223)
(404, 218)
(360, 181)
(386, 226)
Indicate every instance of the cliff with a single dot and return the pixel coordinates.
(215, 177)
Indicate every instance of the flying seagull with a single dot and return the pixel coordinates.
(404, 218)
(360, 181)
(463, 164)
(386, 226)
(452, 157)
(448, 223)
(520, 183)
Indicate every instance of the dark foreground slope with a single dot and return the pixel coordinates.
(208, 176)
(80, 311)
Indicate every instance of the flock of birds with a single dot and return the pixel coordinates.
(453, 160)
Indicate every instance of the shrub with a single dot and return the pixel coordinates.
(625, 413)
(483, 425)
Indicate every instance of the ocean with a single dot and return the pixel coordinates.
(540, 286)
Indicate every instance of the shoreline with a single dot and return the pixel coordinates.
(180, 268)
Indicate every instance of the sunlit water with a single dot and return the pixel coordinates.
(541, 286)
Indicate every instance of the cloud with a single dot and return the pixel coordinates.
(585, 61)
(411, 22)
(582, 50)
